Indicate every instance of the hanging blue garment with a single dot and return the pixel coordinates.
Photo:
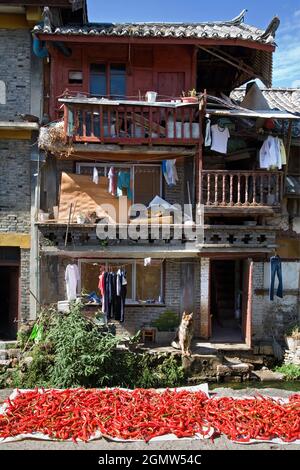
(275, 270)
(124, 183)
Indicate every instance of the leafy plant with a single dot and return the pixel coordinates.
(167, 321)
(192, 92)
(291, 371)
(74, 351)
(293, 331)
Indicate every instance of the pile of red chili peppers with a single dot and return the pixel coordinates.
(78, 414)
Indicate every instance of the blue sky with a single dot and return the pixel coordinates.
(260, 12)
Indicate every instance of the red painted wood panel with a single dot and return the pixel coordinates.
(147, 68)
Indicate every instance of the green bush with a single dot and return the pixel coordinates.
(291, 371)
(76, 352)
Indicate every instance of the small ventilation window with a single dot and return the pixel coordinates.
(75, 77)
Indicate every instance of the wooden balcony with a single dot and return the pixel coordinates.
(247, 190)
(127, 123)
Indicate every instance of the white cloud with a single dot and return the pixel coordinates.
(286, 70)
(296, 84)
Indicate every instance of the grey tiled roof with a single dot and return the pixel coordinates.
(234, 29)
(284, 99)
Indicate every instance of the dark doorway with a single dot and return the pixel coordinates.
(226, 301)
(9, 301)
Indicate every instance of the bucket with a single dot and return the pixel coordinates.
(151, 96)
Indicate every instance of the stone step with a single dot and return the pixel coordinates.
(3, 354)
(12, 344)
(232, 369)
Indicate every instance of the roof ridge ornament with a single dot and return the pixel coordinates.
(238, 19)
(47, 20)
(270, 31)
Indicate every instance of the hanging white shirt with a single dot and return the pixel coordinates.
(71, 278)
(269, 154)
(219, 138)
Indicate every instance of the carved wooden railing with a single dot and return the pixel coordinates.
(241, 188)
(132, 124)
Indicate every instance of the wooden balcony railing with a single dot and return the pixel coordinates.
(241, 188)
(132, 123)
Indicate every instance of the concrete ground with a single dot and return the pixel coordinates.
(221, 443)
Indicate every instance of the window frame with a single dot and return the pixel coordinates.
(133, 262)
(107, 66)
(131, 166)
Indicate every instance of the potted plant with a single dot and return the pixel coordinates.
(166, 325)
(80, 218)
(292, 337)
(190, 96)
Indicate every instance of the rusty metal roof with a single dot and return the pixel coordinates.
(226, 30)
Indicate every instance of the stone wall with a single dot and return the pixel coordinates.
(15, 53)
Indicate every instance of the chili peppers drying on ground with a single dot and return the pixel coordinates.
(143, 414)
(79, 413)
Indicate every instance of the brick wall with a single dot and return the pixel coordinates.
(204, 297)
(53, 289)
(14, 186)
(15, 53)
(271, 317)
(25, 284)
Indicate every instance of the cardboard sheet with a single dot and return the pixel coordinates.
(86, 197)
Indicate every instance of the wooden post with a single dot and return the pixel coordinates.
(287, 151)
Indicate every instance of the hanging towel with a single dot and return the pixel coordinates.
(112, 181)
(207, 141)
(124, 183)
(170, 172)
(95, 176)
(282, 152)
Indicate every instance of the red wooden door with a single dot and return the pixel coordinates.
(170, 84)
(247, 301)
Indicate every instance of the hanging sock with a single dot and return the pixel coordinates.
(95, 176)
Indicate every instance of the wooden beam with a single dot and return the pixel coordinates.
(230, 60)
(11, 21)
(14, 134)
(33, 15)
(21, 240)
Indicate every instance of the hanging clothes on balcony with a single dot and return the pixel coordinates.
(275, 270)
(124, 183)
(170, 172)
(95, 175)
(71, 278)
(272, 153)
(113, 289)
(207, 141)
(219, 138)
(112, 181)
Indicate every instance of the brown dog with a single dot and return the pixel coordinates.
(185, 334)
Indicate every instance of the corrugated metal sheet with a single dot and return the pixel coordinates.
(284, 99)
(292, 185)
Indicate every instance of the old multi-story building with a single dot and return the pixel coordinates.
(121, 133)
(21, 111)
